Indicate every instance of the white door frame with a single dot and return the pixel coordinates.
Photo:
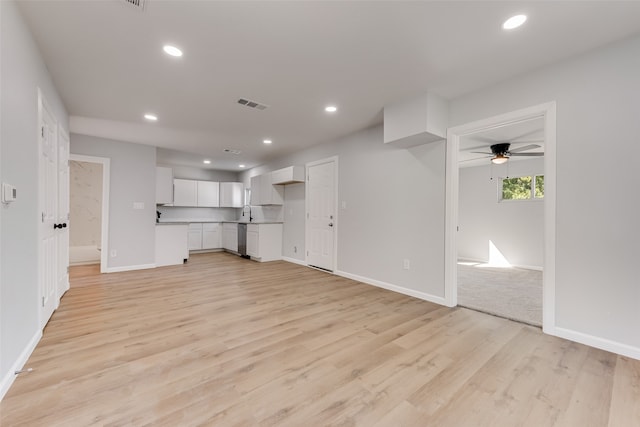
(106, 172)
(333, 159)
(547, 112)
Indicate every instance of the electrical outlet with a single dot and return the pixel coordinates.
(114, 253)
(406, 264)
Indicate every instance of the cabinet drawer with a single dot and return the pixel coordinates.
(210, 226)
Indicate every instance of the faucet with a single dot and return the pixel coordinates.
(243, 210)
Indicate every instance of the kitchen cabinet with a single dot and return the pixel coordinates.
(185, 192)
(263, 192)
(191, 193)
(211, 235)
(231, 194)
(207, 194)
(230, 236)
(288, 175)
(264, 242)
(164, 186)
(171, 244)
(204, 236)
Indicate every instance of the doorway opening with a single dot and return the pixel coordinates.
(540, 122)
(500, 223)
(89, 210)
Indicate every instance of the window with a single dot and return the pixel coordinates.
(521, 188)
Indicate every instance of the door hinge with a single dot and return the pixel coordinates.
(42, 131)
(42, 216)
(43, 301)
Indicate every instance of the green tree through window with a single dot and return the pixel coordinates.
(522, 188)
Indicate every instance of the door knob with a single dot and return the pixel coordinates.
(64, 225)
(330, 224)
(57, 226)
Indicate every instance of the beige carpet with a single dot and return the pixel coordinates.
(513, 293)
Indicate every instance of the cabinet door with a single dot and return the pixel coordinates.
(211, 236)
(253, 243)
(185, 192)
(255, 190)
(231, 194)
(164, 186)
(195, 236)
(208, 192)
(230, 237)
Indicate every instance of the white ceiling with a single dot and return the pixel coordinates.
(529, 133)
(297, 57)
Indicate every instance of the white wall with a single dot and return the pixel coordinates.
(597, 291)
(132, 180)
(22, 72)
(395, 210)
(515, 227)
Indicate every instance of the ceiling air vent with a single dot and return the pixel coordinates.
(252, 104)
(138, 4)
(231, 151)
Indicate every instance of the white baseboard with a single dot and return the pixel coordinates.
(294, 261)
(129, 268)
(394, 288)
(10, 376)
(597, 342)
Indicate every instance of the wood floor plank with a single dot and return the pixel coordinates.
(223, 341)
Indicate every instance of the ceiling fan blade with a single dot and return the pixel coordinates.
(480, 152)
(525, 148)
(528, 154)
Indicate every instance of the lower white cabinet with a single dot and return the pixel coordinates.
(205, 235)
(264, 242)
(230, 236)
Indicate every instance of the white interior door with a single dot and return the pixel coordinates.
(48, 262)
(321, 214)
(63, 213)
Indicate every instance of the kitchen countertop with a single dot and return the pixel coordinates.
(187, 221)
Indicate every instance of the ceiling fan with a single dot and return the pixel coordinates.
(501, 152)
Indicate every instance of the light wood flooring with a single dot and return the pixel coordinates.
(223, 341)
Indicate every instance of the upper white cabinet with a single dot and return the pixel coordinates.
(187, 192)
(208, 194)
(164, 185)
(231, 194)
(289, 175)
(263, 192)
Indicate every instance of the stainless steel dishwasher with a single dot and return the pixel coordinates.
(242, 240)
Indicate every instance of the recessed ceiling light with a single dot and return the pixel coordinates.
(241, 166)
(267, 141)
(172, 50)
(206, 162)
(331, 109)
(151, 117)
(514, 22)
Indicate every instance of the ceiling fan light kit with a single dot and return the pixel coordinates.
(499, 159)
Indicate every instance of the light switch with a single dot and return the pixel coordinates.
(138, 205)
(9, 193)
(344, 205)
